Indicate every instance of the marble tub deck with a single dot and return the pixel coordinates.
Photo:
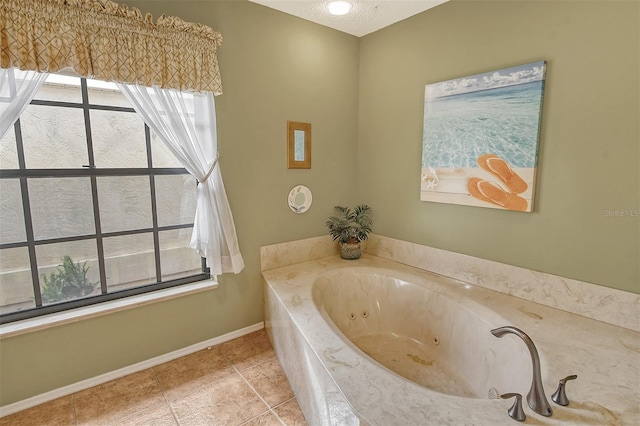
(605, 357)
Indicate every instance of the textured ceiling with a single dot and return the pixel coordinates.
(366, 16)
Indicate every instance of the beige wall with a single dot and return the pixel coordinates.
(589, 156)
(277, 68)
(274, 68)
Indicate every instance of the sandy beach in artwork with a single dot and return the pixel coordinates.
(450, 185)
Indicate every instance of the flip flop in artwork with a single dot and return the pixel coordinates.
(491, 193)
(500, 169)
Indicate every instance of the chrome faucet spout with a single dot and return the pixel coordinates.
(536, 397)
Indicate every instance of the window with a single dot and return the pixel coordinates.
(92, 206)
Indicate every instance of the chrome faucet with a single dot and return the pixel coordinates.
(536, 397)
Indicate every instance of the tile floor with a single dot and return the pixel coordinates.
(239, 382)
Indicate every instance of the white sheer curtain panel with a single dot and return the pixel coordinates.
(186, 123)
(17, 89)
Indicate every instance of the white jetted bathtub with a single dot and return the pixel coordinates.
(374, 342)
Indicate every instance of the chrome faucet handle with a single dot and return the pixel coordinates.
(560, 396)
(515, 412)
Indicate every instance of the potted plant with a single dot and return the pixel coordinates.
(350, 228)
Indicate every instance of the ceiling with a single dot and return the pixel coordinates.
(366, 16)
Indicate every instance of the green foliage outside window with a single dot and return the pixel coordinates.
(69, 281)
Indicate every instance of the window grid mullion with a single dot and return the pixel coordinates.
(99, 242)
(154, 205)
(121, 171)
(94, 186)
(28, 222)
(93, 236)
(81, 105)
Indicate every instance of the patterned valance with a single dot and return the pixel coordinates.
(107, 41)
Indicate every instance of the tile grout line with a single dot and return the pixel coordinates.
(239, 372)
(164, 395)
(73, 409)
(269, 408)
(235, 369)
(281, 404)
(136, 411)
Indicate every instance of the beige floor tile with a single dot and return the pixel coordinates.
(191, 373)
(290, 413)
(55, 413)
(266, 419)
(229, 401)
(159, 415)
(247, 351)
(202, 389)
(118, 399)
(270, 381)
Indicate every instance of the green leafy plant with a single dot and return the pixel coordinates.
(68, 281)
(350, 226)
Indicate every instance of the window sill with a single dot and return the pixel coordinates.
(79, 314)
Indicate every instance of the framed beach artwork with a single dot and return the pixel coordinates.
(480, 138)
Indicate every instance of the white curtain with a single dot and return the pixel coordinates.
(186, 122)
(17, 89)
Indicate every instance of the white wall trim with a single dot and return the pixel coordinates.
(116, 374)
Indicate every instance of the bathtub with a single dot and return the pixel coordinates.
(439, 340)
(374, 342)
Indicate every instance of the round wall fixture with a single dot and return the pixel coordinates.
(299, 199)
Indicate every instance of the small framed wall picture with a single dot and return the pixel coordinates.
(298, 145)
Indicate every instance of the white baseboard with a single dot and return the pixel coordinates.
(116, 374)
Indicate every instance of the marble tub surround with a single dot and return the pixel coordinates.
(292, 252)
(337, 384)
(590, 300)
